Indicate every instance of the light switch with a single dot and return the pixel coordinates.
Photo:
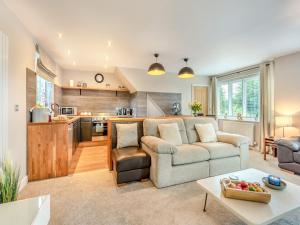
(16, 108)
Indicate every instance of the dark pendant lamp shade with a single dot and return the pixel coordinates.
(156, 68)
(186, 72)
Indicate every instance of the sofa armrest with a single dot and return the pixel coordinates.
(291, 143)
(233, 139)
(158, 145)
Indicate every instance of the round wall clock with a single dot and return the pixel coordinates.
(99, 78)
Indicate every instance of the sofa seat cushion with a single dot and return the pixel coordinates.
(187, 153)
(130, 158)
(219, 150)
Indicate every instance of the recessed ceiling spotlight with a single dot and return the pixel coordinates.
(106, 58)
(74, 63)
(59, 35)
(69, 52)
(109, 43)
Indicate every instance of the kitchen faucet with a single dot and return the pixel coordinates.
(54, 107)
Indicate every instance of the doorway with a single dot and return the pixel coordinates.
(200, 94)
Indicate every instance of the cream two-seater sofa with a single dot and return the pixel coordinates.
(193, 159)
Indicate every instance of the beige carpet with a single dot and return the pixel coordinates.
(92, 198)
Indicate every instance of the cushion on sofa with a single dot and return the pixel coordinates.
(170, 133)
(127, 135)
(130, 158)
(151, 127)
(206, 132)
(219, 150)
(191, 132)
(187, 153)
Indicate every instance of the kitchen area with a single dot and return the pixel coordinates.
(69, 134)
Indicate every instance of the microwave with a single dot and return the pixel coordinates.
(68, 111)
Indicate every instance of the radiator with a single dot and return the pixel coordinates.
(243, 128)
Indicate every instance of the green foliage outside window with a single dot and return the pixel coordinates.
(44, 92)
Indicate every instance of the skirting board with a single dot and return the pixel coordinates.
(23, 183)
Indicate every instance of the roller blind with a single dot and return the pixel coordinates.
(45, 67)
(239, 74)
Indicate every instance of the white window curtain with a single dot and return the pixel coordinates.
(267, 102)
(213, 102)
(3, 93)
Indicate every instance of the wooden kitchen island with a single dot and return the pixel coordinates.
(50, 147)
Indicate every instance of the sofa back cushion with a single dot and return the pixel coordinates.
(151, 127)
(170, 133)
(206, 132)
(191, 132)
(114, 131)
(127, 135)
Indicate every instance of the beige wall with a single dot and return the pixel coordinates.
(88, 77)
(21, 56)
(287, 90)
(168, 83)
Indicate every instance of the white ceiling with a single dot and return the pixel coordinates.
(216, 35)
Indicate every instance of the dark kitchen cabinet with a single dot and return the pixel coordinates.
(86, 129)
(76, 134)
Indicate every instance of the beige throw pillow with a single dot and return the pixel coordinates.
(170, 133)
(127, 135)
(206, 132)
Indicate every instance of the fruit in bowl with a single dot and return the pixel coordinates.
(245, 186)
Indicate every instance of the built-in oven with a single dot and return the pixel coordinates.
(68, 111)
(99, 128)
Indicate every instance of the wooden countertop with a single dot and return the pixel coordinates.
(72, 119)
(136, 119)
(68, 121)
(113, 119)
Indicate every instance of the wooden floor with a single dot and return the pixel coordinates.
(87, 158)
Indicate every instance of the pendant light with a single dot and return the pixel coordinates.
(156, 68)
(186, 72)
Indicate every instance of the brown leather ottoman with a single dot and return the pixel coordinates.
(130, 164)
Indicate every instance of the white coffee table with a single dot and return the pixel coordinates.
(254, 213)
(31, 211)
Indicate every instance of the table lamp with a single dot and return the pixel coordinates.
(283, 121)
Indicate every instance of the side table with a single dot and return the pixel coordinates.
(270, 142)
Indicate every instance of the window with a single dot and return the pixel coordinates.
(44, 92)
(239, 96)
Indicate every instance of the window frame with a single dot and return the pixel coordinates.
(244, 81)
(46, 83)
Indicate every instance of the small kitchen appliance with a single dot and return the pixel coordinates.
(68, 110)
(40, 115)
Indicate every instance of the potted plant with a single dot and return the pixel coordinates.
(196, 108)
(9, 181)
